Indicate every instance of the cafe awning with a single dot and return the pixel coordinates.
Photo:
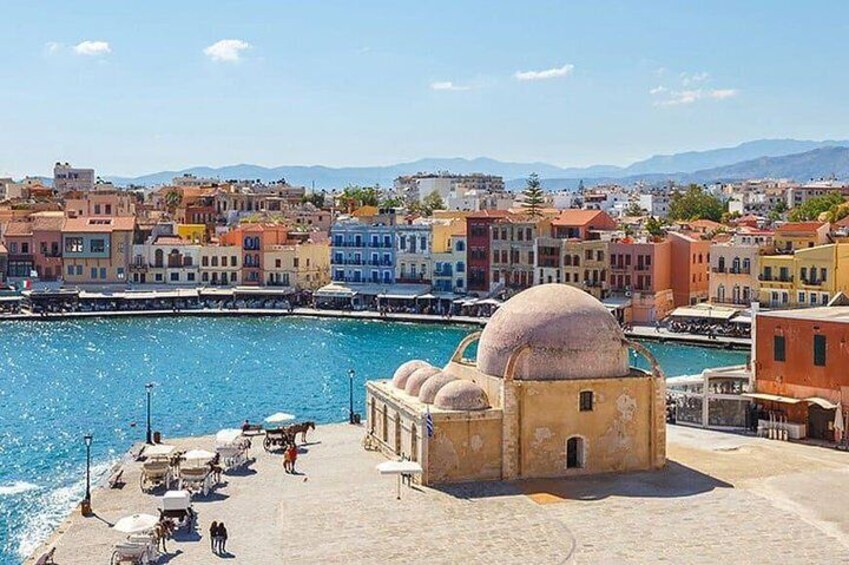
(335, 291)
(771, 397)
(821, 402)
(403, 291)
(722, 314)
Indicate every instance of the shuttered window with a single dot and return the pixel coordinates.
(819, 350)
(779, 353)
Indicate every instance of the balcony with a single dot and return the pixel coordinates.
(380, 263)
(779, 279)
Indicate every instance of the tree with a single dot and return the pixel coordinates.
(653, 227)
(634, 209)
(695, 204)
(173, 198)
(355, 196)
(815, 207)
(534, 196)
(433, 201)
(314, 198)
(392, 202)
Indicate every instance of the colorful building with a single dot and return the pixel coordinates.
(362, 251)
(220, 265)
(734, 268)
(478, 256)
(97, 250)
(166, 260)
(47, 244)
(809, 277)
(512, 245)
(413, 262)
(690, 268)
(19, 242)
(254, 239)
(301, 265)
(449, 256)
(793, 236)
(580, 224)
(800, 360)
(641, 272)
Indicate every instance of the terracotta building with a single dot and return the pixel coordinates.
(641, 271)
(550, 394)
(690, 268)
(800, 361)
(254, 239)
(47, 244)
(479, 248)
(512, 249)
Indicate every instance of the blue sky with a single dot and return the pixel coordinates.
(136, 87)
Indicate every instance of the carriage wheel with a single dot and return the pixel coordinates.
(141, 482)
(114, 560)
(267, 443)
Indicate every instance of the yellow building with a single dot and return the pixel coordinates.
(809, 277)
(551, 394)
(793, 236)
(303, 266)
(196, 233)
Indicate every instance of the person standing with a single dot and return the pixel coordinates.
(213, 536)
(293, 457)
(222, 538)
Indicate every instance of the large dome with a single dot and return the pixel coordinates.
(571, 335)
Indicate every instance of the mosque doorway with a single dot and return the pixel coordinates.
(574, 453)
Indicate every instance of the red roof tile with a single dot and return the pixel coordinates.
(799, 227)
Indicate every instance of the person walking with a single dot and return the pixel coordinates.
(222, 539)
(293, 457)
(213, 536)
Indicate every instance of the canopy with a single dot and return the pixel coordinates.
(136, 523)
(335, 291)
(821, 402)
(399, 468)
(490, 301)
(771, 397)
(228, 435)
(742, 320)
(723, 314)
(196, 454)
(176, 500)
(160, 450)
(280, 417)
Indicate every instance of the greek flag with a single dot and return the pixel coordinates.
(429, 424)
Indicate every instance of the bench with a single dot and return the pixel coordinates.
(47, 558)
(117, 480)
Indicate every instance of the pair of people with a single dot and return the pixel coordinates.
(218, 537)
(289, 458)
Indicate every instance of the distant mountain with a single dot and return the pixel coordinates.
(659, 167)
(802, 167)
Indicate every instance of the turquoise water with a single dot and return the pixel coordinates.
(60, 380)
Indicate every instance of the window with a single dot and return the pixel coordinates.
(819, 350)
(102, 272)
(204, 277)
(574, 453)
(204, 261)
(232, 277)
(79, 270)
(779, 353)
(93, 273)
(72, 245)
(70, 270)
(190, 277)
(120, 273)
(175, 277)
(586, 403)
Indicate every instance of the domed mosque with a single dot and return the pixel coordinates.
(550, 394)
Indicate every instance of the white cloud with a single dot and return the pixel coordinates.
(657, 90)
(448, 85)
(692, 79)
(546, 74)
(52, 47)
(683, 97)
(226, 50)
(92, 48)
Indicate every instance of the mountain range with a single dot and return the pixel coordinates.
(787, 158)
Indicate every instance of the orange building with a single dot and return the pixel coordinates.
(577, 224)
(254, 239)
(800, 361)
(690, 268)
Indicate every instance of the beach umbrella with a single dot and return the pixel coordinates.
(196, 454)
(136, 523)
(228, 435)
(399, 468)
(280, 417)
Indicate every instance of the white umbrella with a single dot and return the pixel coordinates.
(195, 454)
(136, 523)
(399, 468)
(228, 435)
(160, 450)
(280, 417)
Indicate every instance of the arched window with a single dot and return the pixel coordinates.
(721, 264)
(461, 267)
(575, 453)
(385, 424)
(720, 293)
(414, 443)
(159, 258)
(461, 246)
(397, 433)
(372, 416)
(735, 265)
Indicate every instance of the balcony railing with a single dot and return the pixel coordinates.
(780, 279)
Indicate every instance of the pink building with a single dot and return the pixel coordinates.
(690, 268)
(642, 272)
(47, 244)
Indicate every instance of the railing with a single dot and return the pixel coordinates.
(764, 278)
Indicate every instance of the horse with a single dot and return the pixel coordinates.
(162, 531)
(302, 429)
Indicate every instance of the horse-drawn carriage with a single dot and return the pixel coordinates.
(155, 473)
(232, 449)
(177, 505)
(277, 438)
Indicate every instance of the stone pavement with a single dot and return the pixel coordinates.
(722, 497)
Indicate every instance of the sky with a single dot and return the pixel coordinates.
(137, 87)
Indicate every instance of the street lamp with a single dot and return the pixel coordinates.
(86, 506)
(149, 388)
(350, 396)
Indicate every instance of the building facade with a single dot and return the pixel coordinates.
(97, 250)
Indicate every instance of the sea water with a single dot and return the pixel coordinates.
(62, 379)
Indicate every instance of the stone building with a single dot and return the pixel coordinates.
(551, 394)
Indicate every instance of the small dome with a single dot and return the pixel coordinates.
(418, 378)
(433, 386)
(402, 373)
(461, 395)
(569, 333)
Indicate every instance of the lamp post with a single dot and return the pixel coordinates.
(350, 396)
(86, 505)
(149, 388)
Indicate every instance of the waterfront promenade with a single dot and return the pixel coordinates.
(721, 498)
(638, 332)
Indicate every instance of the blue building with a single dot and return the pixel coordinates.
(363, 251)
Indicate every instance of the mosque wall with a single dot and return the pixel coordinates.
(465, 449)
(613, 436)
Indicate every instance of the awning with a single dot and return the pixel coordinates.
(334, 291)
(724, 314)
(742, 320)
(11, 298)
(771, 397)
(490, 301)
(821, 402)
(399, 468)
(264, 291)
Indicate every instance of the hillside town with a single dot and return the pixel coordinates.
(440, 243)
